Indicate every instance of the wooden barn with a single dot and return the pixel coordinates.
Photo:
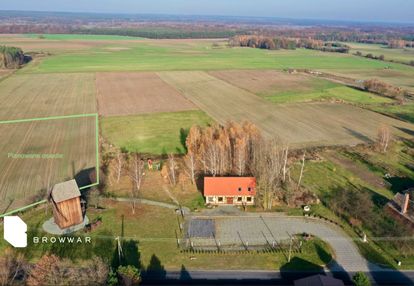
(66, 201)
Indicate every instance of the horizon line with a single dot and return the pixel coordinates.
(343, 21)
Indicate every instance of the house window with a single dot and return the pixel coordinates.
(210, 199)
(249, 189)
(249, 199)
(239, 199)
(240, 189)
(220, 199)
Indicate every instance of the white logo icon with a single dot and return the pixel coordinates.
(15, 231)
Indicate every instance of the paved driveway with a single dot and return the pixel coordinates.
(256, 230)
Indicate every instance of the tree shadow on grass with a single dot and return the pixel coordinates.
(155, 269)
(405, 130)
(184, 274)
(129, 255)
(399, 184)
(324, 255)
(358, 135)
(299, 268)
(379, 200)
(183, 138)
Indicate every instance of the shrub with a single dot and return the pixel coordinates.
(11, 57)
(361, 279)
(130, 275)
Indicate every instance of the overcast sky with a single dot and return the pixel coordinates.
(359, 10)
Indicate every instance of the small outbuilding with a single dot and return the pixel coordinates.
(401, 207)
(67, 210)
(230, 190)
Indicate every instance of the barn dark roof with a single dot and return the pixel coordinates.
(319, 280)
(65, 191)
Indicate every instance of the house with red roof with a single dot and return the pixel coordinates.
(230, 190)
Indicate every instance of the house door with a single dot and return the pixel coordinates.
(229, 200)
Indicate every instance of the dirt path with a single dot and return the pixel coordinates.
(170, 195)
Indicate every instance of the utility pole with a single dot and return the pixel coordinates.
(119, 249)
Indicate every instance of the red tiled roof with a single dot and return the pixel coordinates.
(229, 186)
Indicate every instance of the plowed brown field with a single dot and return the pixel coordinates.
(266, 81)
(24, 177)
(43, 95)
(66, 145)
(137, 93)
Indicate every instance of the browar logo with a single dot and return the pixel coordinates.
(15, 231)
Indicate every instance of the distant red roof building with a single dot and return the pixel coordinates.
(230, 190)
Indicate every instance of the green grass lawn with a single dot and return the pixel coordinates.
(158, 133)
(79, 37)
(334, 176)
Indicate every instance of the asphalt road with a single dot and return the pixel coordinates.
(252, 277)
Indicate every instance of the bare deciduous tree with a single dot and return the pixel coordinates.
(193, 144)
(119, 165)
(301, 171)
(47, 271)
(241, 156)
(267, 166)
(11, 266)
(136, 174)
(172, 169)
(51, 270)
(383, 138)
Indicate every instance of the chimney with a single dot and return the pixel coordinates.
(405, 203)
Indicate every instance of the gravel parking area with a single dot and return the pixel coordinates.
(255, 231)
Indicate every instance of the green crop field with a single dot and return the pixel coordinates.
(201, 56)
(344, 93)
(157, 133)
(167, 55)
(79, 37)
(405, 55)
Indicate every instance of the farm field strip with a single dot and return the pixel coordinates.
(137, 93)
(36, 155)
(43, 95)
(77, 55)
(155, 133)
(281, 87)
(310, 124)
(270, 82)
(405, 55)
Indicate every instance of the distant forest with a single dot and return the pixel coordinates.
(162, 32)
(180, 27)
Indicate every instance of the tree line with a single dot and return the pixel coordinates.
(239, 149)
(276, 43)
(160, 32)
